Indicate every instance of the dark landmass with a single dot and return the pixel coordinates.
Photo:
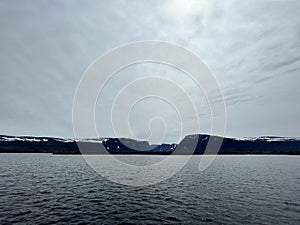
(260, 145)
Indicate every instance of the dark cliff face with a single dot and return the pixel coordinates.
(198, 143)
(24, 144)
(261, 145)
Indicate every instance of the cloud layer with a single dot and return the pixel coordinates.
(252, 47)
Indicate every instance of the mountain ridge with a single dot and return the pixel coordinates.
(55, 145)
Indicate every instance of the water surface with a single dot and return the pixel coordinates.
(42, 188)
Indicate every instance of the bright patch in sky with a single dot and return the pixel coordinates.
(182, 8)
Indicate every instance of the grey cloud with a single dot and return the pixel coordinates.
(252, 47)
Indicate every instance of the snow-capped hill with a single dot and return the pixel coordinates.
(268, 138)
(196, 142)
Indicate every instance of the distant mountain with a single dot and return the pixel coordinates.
(260, 145)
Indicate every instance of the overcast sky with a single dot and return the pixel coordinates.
(252, 47)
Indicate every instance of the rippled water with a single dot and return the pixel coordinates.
(233, 190)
